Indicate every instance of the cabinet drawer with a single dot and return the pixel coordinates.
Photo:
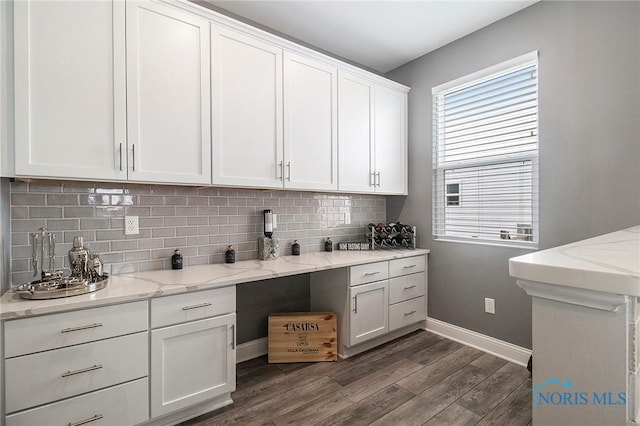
(369, 273)
(405, 313)
(407, 287)
(192, 306)
(407, 265)
(125, 404)
(44, 377)
(29, 335)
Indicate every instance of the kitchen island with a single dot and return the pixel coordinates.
(585, 329)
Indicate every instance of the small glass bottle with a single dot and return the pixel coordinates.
(230, 255)
(176, 260)
(328, 244)
(295, 248)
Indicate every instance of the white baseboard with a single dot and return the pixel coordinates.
(252, 349)
(510, 352)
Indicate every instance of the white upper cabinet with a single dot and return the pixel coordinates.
(85, 109)
(168, 95)
(372, 136)
(170, 92)
(390, 130)
(246, 82)
(310, 124)
(69, 70)
(355, 133)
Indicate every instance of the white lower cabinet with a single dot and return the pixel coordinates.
(375, 302)
(102, 366)
(77, 367)
(125, 404)
(368, 311)
(194, 361)
(191, 363)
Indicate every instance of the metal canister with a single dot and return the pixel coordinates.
(96, 266)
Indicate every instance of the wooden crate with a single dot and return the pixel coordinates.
(303, 337)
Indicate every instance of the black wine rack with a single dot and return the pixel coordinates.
(392, 235)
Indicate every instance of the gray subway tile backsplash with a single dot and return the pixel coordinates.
(202, 222)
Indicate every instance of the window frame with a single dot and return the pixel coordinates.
(439, 170)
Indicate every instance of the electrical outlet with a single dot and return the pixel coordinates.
(131, 226)
(489, 305)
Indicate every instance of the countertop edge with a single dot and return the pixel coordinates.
(575, 278)
(608, 263)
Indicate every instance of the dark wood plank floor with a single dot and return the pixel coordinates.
(419, 379)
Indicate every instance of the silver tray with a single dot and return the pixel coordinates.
(61, 287)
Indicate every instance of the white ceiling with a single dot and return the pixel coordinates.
(381, 35)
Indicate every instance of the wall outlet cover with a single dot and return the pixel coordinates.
(131, 226)
(489, 305)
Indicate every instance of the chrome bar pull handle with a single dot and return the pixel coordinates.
(367, 274)
(133, 152)
(410, 287)
(406, 314)
(83, 370)
(89, 420)
(355, 304)
(378, 175)
(201, 305)
(233, 336)
(289, 171)
(121, 157)
(84, 327)
(409, 266)
(372, 181)
(280, 169)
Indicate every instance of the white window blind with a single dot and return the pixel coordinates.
(485, 158)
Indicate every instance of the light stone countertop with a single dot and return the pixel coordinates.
(608, 263)
(145, 285)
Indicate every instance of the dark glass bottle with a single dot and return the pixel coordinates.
(295, 248)
(176, 260)
(328, 245)
(230, 255)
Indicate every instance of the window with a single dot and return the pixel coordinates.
(453, 194)
(485, 155)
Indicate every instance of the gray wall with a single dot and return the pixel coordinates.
(589, 106)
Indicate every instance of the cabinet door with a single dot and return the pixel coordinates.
(70, 89)
(310, 134)
(355, 133)
(369, 311)
(168, 95)
(191, 363)
(391, 140)
(246, 81)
